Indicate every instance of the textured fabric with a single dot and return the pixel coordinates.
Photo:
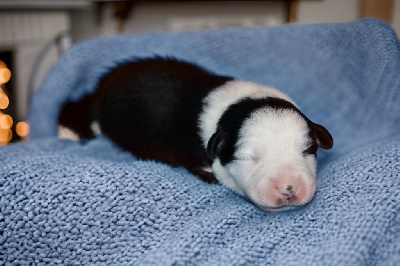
(91, 203)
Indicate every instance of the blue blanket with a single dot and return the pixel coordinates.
(91, 203)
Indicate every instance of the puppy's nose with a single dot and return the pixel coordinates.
(287, 193)
(287, 189)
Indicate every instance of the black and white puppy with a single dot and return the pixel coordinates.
(250, 137)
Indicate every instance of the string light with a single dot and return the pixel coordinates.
(22, 129)
(6, 121)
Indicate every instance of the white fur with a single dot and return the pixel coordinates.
(95, 127)
(66, 133)
(271, 142)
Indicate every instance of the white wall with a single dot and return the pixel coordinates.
(329, 11)
(179, 16)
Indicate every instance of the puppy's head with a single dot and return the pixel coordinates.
(265, 150)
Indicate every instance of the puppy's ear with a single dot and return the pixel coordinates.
(215, 144)
(322, 135)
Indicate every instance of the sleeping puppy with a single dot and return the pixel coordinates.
(251, 138)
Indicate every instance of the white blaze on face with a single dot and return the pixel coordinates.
(270, 167)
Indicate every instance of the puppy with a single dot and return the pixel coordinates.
(252, 138)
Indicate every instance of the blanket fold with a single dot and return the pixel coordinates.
(64, 202)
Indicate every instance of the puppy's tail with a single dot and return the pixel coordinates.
(79, 116)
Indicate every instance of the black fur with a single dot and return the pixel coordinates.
(150, 108)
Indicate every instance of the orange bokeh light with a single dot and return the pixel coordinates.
(6, 121)
(4, 101)
(5, 75)
(2, 65)
(22, 129)
(5, 136)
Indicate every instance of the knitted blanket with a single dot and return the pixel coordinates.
(88, 202)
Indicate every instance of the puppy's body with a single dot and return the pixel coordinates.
(254, 138)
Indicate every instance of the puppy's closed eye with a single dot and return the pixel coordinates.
(253, 158)
(311, 150)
